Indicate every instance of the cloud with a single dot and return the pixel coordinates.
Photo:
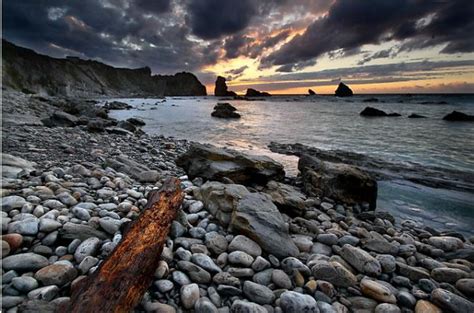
(351, 24)
(236, 73)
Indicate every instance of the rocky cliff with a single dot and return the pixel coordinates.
(27, 71)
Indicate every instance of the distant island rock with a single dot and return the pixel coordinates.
(343, 90)
(373, 112)
(311, 92)
(221, 88)
(457, 116)
(414, 115)
(225, 110)
(255, 93)
(27, 71)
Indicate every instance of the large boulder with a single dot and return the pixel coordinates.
(338, 181)
(343, 90)
(117, 105)
(212, 163)
(225, 110)
(255, 93)
(221, 88)
(287, 198)
(13, 165)
(60, 119)
(250, 214)
(456, 116)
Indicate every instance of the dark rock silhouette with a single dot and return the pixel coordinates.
(456, 116)
(343, 90)
(221, 88)
(255, 93)
(225, 110)
(373, 112)
(311, 92)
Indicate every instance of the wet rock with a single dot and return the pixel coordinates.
(215, 242)
(361, 260)
(14, 241)
(373, 112)
(451, 302)
(224, 278)
(24, 262)
(343, 90)
(448, 275)
(213, 163)
(446, 243)
(205, 262)
(240, 258)
(225, 110)
(88, 247)
(291, 301)
(377, 291)
(280, 279)
(56, 274)
(341, 182)
(335, 273)
(466, 286)
(240, 306)
(26, 227)
(12, 202)
(387, 308)
(458, 116)
(424, 306)
(414, 273)
(196, 273)
(245, 244)
(204, 305)
(258, 293)
(47, 293)
(286, 198)
(189, 295)
(24, 284)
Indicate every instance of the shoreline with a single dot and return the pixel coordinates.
(101, 180)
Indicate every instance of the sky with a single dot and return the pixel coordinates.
(279, 46)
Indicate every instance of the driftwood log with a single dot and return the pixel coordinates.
(120, 282)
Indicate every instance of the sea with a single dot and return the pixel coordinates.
(331, 123)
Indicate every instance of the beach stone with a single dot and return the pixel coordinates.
(377, 291)
(258, 293)
(47, 293)
(151, 176)
(87, 263)
(291, 264)
(5, 248)
(228, 291)
(291, 301)
(56, 274)
(387, 308)
(14, 241)
(189, 295)
(451, 302)
(204, 305)
(280, 279)
(205, 262)
(287, 198)
(224, 278)
(260, 219)
(320, 248)
(424, 306)
(196, 206)
(414, 273)
(88, 247)
(240, 258)
(362, 304)
(24, 284)
(24, 262)
(215, 242)
(325, 307)
(81, 213)
(12, 202)
(348, 239)
(240, 272)
(110, 225)
(446, 243)
(466, 286)
(196, 273)
(406, 299)
(327, 239)
(361, 260)
(47, 225)
(448, 275)
(260, 264)
(12, 301)
(245, 244)
(240, 306)
(26, 227)
(334, 272)
(66, 199)
(387, 262)
(80, 231)
(164, 285)
(159, 307)
(180, 278)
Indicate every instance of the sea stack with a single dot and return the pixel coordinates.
(343, 90)
(221, 88)
(311, 92)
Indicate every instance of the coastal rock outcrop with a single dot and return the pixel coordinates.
(311, 92)
(457, 116)
(225, 110)
(373, 112)
(250, 214)
(221, 88)
(287, 198)
(212, 163)
(255, 93)
(343, 90)
(338, 181)
(27, 71)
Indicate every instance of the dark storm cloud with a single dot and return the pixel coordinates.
(153, 6)
(352, 24)
(210, 19)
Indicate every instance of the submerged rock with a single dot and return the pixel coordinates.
(212, 163)
(373, 112)
(343, 90)
(456, 116)
(414, 115)
(341, 182)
